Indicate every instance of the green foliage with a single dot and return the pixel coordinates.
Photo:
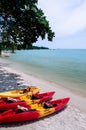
(24, 22)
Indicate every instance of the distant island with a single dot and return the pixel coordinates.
(36, 47)
(32, 47)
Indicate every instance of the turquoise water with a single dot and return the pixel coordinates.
(64, 67)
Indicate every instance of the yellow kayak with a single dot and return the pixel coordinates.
(20, 92)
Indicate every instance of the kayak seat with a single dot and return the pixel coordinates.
(25, 90)
(36, 97)
(22, 109)
(54, 105)
(33, 110)
(11, 100)
(47, 105)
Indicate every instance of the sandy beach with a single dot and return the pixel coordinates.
(71, 118)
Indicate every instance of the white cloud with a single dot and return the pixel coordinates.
(66, 17)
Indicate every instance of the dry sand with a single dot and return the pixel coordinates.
(73, 117)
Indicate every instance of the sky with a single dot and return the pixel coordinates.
(67, 18)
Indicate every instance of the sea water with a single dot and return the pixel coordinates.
(66, 67)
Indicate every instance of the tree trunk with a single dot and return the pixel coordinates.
(0, 52)
(12, 51)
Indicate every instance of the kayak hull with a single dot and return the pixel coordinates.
(25, 100)
(37, 98)
(37, 111)
(5, 106)
(10, 116)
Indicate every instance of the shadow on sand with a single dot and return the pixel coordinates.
(10, 81)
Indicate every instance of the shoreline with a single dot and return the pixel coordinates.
(73, 117)
(77, 99)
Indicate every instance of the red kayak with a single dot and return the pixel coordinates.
(9, 103)
(37, 111)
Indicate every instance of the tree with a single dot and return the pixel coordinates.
(24, 23)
